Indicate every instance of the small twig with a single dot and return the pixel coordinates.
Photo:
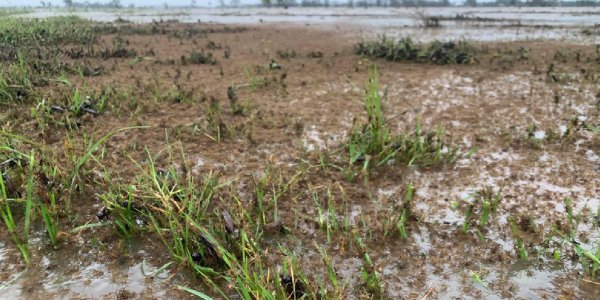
(89, 111)
(429, 291)
(57, 108)
(590, 281)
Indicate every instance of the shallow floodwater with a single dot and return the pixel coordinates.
(60, 273)
(477, 109)
(482, 24)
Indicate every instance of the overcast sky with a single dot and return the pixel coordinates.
(145, 2)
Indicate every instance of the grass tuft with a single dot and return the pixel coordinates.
(404, 49)
(372, 144)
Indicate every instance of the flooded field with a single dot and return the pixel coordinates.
(295, 154)
(482, 23)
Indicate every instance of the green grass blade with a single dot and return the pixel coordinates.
(194, 292)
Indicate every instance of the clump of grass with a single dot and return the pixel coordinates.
(176, 94)
(405, 209)
(118, 51)
(32, 35)
(405, 49)
(327, 218)
(73, 103)
(514, 229)
(477, 279)
(216, 128)
(373, 144)
(331, 274)
(590, 31)
(6, 212)
(374, 135)
(588, 258)
(485, 203)
(506, 58)
(236, 108)
(597, 54)
(171, 204)
(31, 52)
(370, 276)
(558, 75)
(10, 200)
(550, 135)
(79, 161)
(292, 281)
(15, 81)
(253, 80)
(51, 225)
(199, 58)
(286, 54)
(571, 218)
(213, 46)
(315, 54)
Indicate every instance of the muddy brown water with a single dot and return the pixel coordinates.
(487, 106)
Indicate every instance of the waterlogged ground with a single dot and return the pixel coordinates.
(481, 23)
(524, 129)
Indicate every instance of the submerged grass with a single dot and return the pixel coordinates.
(484, 203)
(517, 235)
(589, 259)
(405, 49)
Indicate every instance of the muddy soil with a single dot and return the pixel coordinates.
(502, 107)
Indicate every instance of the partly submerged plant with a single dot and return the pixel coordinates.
(373, 144)
(404, 49)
